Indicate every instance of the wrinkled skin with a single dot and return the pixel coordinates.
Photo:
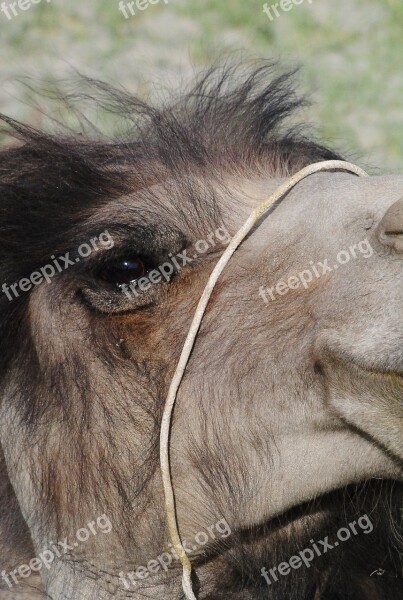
(282, 403)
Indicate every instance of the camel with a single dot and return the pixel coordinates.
(286, 441)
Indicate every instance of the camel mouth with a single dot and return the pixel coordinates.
(381, 371)
(348, 361)
(393, 377)
(370, 402)
(337, 357)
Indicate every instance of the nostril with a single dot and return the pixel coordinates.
(390, 229)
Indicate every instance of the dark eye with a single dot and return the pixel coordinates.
(124, 271)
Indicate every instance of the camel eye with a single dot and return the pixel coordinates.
(124, 271)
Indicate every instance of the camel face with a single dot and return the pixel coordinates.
(321, 265)
(288, 423)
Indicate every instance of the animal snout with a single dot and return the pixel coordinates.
(390, 229)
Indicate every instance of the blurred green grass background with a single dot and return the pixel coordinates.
(350, 52)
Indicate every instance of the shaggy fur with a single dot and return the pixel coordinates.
(88, 392)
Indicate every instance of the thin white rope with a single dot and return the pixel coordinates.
(170, 506)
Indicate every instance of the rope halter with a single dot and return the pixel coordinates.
(170, 506)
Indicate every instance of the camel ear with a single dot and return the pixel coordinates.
(16, 546)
